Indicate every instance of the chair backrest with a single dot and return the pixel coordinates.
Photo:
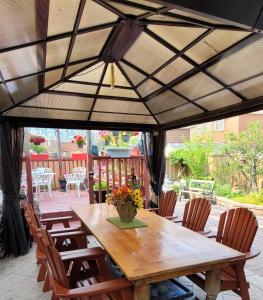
(81, 170)
(27, 207)
(56, 267)
(167, 203)
(237, 229)
(196, 213)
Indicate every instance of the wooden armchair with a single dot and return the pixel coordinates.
(166, 205)
(99, 286)
(237, 229)
(196, 213)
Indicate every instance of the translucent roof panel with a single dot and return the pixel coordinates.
(76, 88)
(128, 10)
(62, 16)
(108, 91)
(218, 100)
(121, 118)
(89, 44)
(197, 86)
(23, 88)
(148, 87)
(147, 53)
(164, 101)
(91, 74)
(47, 113)
(77, 67)
(163, 18)
(146, 3)
(134, 75)
(179, 37)
(178, 113)
(91, 12)
(117, 106)
(53, 76)
(119, 77)
(61, 101)
(57, 52)
(5, 100)
(18, 19)
(251, 88)
(214, 43)
(175, 69)
(19, 62)
(242, 64)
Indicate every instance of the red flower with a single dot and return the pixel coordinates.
(135, 133)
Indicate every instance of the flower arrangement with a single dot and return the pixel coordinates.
(105, 137)
(126, 194)
(79, 140)
(37, 139)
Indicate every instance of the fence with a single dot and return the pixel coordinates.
(114, 171)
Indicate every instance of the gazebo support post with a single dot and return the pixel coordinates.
(30, 194)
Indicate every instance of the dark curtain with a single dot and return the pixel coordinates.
(153, 148)
(11, 141)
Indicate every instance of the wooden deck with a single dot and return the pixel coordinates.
(61, 201)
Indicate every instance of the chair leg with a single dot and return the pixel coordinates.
(42, 272)
(50, 191)
(46, 287)
(78, 189)
(243, 286)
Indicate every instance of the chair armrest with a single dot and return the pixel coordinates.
(92, 290)
(64, 230)
(70, 252)
(56, 220)
(69, 234)
(251, 254)
(88, 254)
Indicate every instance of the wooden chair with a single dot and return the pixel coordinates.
(167, 204)
(98, 287)
(196, 213)
(237, 229)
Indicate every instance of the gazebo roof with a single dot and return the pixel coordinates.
(172, 67)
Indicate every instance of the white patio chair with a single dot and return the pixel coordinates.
(77, 179)
(23, 185)
(43, 179)
(83, 172)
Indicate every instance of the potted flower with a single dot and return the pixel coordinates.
(105, 137)
(37, 139)
(103, 187)
(62, 183)
(127, 201)
(79, 140)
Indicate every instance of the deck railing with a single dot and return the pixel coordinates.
(113, 172)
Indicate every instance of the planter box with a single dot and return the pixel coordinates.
(116, 152)
(39, 157)
(79, 156)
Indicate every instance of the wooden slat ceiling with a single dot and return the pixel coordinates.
(171, 69)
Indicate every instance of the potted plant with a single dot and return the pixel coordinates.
(105, 137)
(37, 139)
(96, 187)
(79, 141)
(62, 183)
(127, 201)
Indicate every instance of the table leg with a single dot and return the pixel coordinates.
(142, 292)
(212, 284)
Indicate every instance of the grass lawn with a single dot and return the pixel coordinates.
(252, 198)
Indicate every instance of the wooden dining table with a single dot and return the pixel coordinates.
(162, 250)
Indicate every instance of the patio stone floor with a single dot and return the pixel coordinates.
(18, 276)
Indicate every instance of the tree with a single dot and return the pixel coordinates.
(194, 155)
(245, 151)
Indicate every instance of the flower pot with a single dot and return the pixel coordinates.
(126, 210)
(62, 184)
(36, 144)
(80, 146)
(119, 152)
(97, 197)
(126, 138)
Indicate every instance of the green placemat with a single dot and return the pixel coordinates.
(135, 223)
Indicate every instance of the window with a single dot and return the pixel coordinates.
(219, 125)
(198, 130)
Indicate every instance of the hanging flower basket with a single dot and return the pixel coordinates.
(37, 139)
(79, 141)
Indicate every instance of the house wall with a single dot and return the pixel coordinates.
(177, 135)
